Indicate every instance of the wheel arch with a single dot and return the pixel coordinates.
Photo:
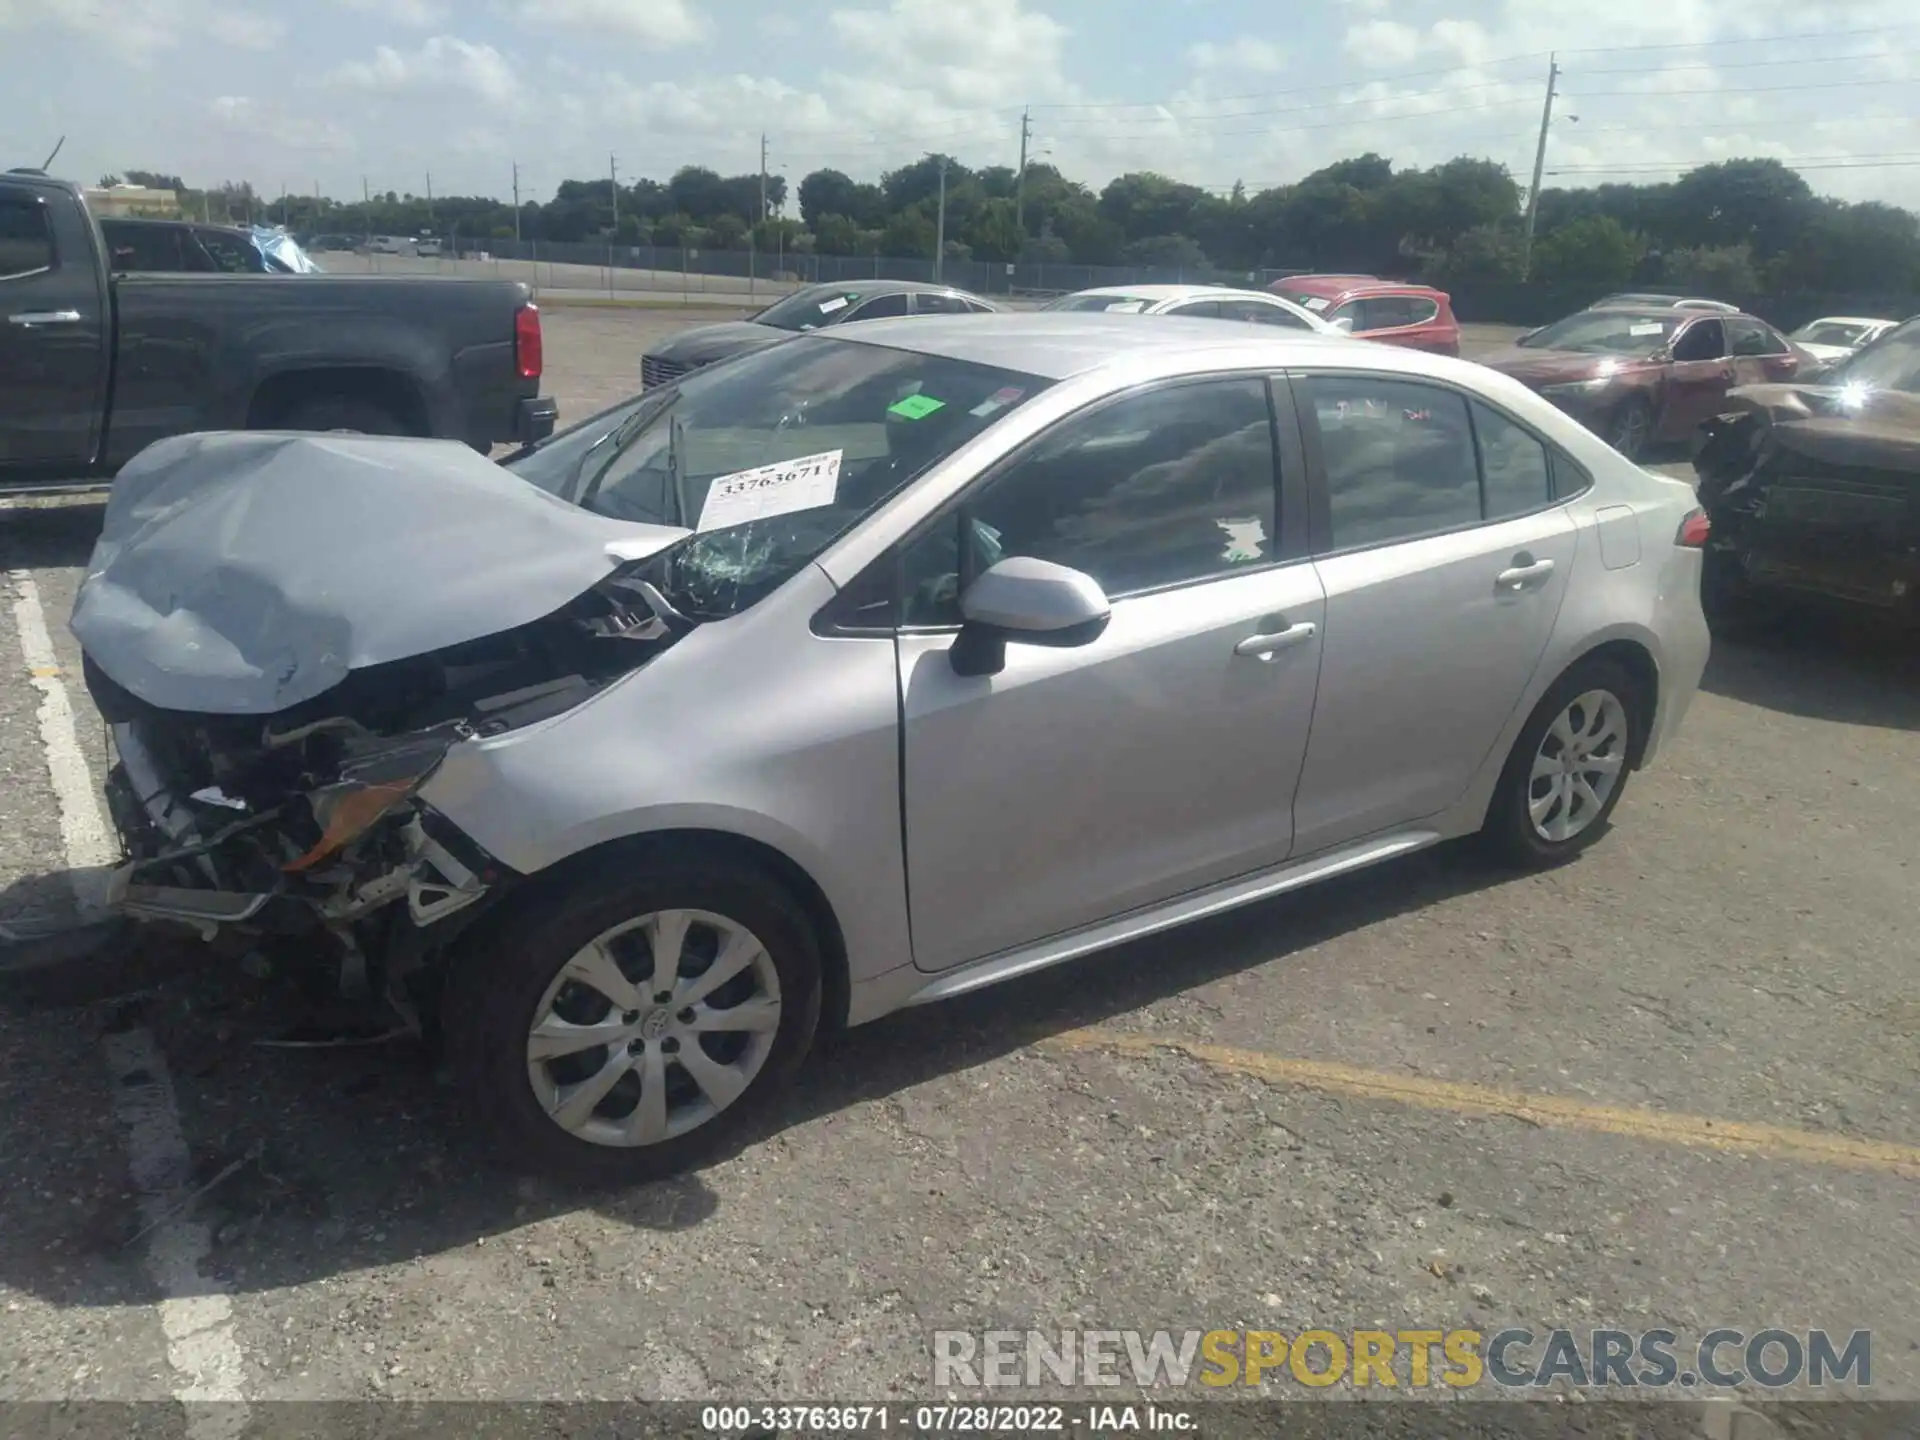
(281, 394)
(1632, 655)
(731, 846)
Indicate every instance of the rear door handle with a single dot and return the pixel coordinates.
(1261, 646)
(28, 319)
(1522, 577)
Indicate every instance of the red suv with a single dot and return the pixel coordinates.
(1416, 316)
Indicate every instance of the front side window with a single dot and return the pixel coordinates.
(881, 307)
(1702, 340)
(1280, 315)
(773, 456)
(26, 242)
(1399, 458)
(1159, 488)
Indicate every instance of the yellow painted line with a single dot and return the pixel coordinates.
(44, 672)
(1776, 1141)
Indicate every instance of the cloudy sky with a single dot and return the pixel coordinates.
(326, 92)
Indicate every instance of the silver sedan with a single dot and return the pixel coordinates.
(916, 656)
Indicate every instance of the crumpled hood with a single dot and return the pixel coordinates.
(1878, 429)
(705, 344)
(1555, 367)
(242, 573)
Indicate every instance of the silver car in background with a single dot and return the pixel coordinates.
(913, 657)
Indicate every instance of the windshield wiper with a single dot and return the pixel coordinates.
(621, 436)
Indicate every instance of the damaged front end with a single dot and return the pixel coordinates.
(278, 696)
(307, 822)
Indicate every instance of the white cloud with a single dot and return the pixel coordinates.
(133, 30)
(413, 14)
(655, 24)
(1246, 52)
(443, 63)
(1382, 43)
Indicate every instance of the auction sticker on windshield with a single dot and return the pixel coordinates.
(769, 490)
(838, 302)
(1652, 327)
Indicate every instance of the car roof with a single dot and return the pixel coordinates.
(864, 288)
(1339, 286)
(1056, 344)
(1160, 293)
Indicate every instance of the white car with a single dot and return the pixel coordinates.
(1206, 302)
(429, 249)
(1835, 337)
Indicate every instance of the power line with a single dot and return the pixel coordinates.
(1741, 89)
(1739, 40)
(1641, 168)
(1757, 64)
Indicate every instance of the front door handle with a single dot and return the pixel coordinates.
(1525, 574)
(29, 319)
(1261, 646)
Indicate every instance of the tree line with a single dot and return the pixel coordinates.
(1739, 227)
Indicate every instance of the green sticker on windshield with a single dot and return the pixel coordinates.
(916, 407)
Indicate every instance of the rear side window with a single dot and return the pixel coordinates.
(1750, 337)
(1399, 458)
(144, 247)
(1198, 310)
(1386, 312)
(1514, 464)
(933, 303)
(26, 242)
(1261, 313)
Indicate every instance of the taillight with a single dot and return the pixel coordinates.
(527, 352)
(1694, 531)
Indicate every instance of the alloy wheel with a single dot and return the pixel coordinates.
(1630, 429)
(1579, 762)
(653, 1028)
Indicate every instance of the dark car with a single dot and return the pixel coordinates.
(1812, 492)
(95, 366)
(1649, 375)
(811, 308)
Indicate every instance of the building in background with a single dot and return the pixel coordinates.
(123, 200)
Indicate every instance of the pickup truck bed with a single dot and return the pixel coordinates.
(93, 368)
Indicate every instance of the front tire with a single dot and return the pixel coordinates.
(635, 1018)
(1630, 429)
(1568, 768)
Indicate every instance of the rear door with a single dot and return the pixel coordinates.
(53, 331)
(1444, 555)
(1160, 758)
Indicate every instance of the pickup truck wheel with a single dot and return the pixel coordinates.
(341, 412)
(621, 1027)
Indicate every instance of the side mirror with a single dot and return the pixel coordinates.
(1344, 324)
(1030, 602)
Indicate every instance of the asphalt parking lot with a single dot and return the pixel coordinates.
(1673, 1084)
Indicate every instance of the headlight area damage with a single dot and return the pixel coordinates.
(287, 635)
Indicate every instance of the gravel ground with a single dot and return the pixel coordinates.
(1672, 1085)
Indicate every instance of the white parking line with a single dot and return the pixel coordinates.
(196, 1311)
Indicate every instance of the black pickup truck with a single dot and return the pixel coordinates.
(95, 367)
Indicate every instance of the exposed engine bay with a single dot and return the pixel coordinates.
(229, 577)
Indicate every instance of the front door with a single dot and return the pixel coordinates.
(1445, 558)
(1698, 378)
(1079, 784)
(52, 345)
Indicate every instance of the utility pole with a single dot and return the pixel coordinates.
(429, 199)
(763, 177)
(1020, 177)
(1539, 165)
(366, 208)
(516, 202)
(613, 172)
(940, 230)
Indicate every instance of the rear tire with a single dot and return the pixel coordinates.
(341, 412)
(510, 996)
(1568, 768)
